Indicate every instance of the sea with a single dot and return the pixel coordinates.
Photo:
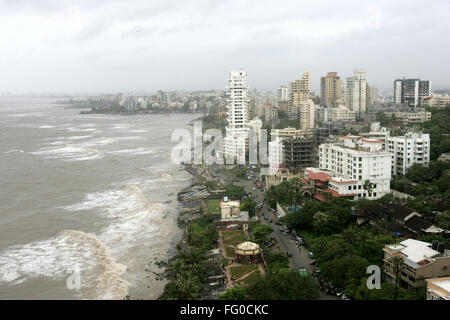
(88, 203)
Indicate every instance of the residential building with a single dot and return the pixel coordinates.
(330, 90)
(421, 261)
(439, 101)
(299, 92)
(283, 93)
(307, 108)
(290, 145)
(407, 150)
(377, 132)
(410, 116)
(347, 168)
(270, 113)
(342, 113)
(438, 288)
(298, 152)
(356, 92)
(410, 92)
(403, 221)
(236, 131)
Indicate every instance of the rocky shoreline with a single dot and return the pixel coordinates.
(190, 208)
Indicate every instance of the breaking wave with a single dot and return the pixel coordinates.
(55, 258)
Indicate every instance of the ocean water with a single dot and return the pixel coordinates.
(88, 197)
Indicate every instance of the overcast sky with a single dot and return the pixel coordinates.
(110, 46)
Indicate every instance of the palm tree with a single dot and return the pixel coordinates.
(296, 186)
(368, 186)
(187, 286)
(397, 262)
(326, 196)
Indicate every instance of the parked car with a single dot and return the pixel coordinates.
(340, 293)
(289, 254)
(311, 255)
(313, 262)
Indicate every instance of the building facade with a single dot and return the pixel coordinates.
(356, 96)
(421, 261)
(299, 92)
(410, 92)
(355, 168)
(236, 131)
(307, 109)
(330, 90)
(407, 150)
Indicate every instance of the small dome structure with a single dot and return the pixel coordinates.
(248, 249)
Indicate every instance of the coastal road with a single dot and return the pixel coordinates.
(286, 242)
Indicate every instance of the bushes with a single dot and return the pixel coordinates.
(284, 285)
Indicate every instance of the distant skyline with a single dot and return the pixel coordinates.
(129, 46)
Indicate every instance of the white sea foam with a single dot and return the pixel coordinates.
(14, 151)
(136, 151)
(70, 153)
(46, 127)
(55, 258)
(79, 137)
(75, 129)
(134, 220)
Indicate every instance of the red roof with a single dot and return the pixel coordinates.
(322, 176)
(337, 194)
(365, 140)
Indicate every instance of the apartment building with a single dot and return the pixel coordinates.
(357, 92)
(307, 109)
(436, 101)
(438, 288)
(345, 168)
(410, 92)
(418, 116)
(283, 93)
(236, 131)
(411, 148)
(296, 144)
(421, 261)
(299, 92)
(342, 113)
(330, 90)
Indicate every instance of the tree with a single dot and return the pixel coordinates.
(237, 293)
(368, 186)
(284, 285)
(248, 204)
(443, 220)
(397, 263)
(187, 287)
(326, 196)
(296, 186)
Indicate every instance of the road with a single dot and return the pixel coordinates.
(286, 242)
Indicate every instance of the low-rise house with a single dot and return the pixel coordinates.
(421, 261)
(405, 221)
(230, 210)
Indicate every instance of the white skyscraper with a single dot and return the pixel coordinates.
(356, 92)
(283, 93)
(236, 132)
